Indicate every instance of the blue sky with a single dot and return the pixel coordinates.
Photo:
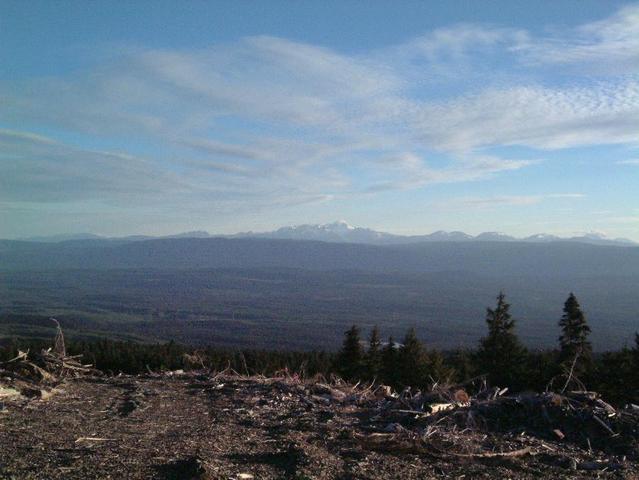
(159, 117)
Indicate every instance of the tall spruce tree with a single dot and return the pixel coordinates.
(412, 361)
(635, 365)
(574, 345)
(501, 356)
(374, 354)
(350, 357)
(389, 363)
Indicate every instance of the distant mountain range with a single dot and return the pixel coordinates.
(342, 232)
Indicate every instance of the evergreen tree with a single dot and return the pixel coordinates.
(389, 363)
(635, 350)
(350, 357)
(412, 361)
(374, 354)
(619, 388)
(573, 341)
(501, 356)
(541, 367)
(635, 366)
(437, 369)
(463, 365)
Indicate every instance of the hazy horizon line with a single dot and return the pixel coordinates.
(202, 231)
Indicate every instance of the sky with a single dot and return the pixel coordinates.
(122, 118)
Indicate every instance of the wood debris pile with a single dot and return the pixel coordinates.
(448, 422)
(36, 375)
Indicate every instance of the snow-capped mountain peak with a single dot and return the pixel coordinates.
(341, 231)
(341, 224)
(494, 237)
(542, 237)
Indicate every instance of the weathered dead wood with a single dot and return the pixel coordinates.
(58, 344)
(604, 425)
(511, 454)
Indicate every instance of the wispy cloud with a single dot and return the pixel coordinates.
(631, 161)
(269, 121)
(609, 46)
(38, 168)
(508, 200)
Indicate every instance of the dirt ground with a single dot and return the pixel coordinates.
(194, 426)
